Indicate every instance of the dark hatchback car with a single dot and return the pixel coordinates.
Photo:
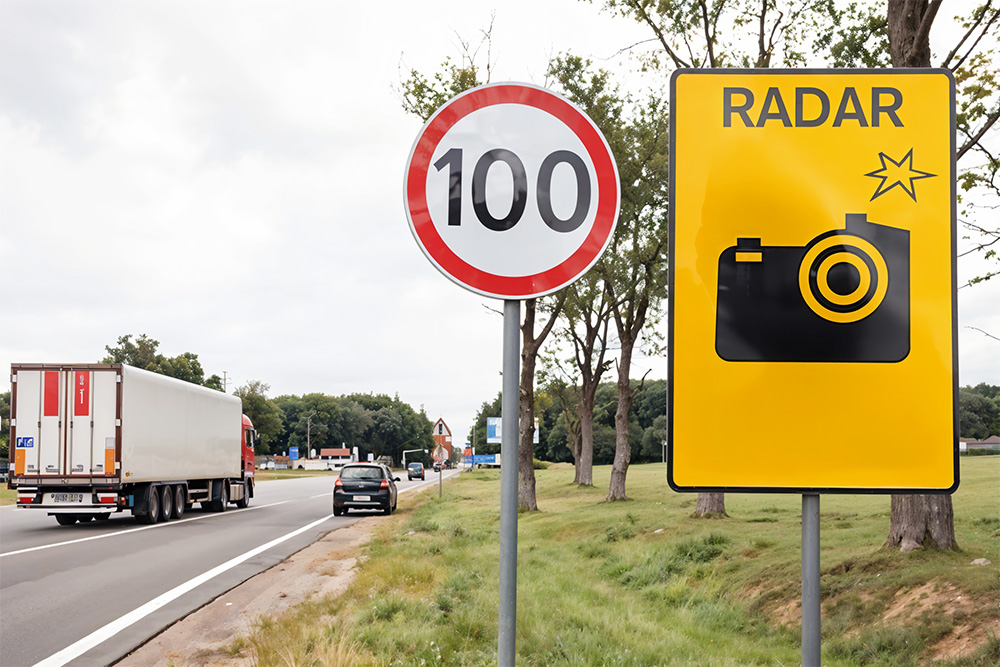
(415, 470)
(364, 486)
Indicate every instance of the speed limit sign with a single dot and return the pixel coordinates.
(511, 191)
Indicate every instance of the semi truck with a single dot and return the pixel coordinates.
(90, 440)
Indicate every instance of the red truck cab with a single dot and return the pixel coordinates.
(249, 440)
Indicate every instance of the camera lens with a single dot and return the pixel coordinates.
(843, 278)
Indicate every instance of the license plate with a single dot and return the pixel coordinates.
(67, 497)
(362, 498)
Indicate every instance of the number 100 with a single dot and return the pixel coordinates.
(453, 160)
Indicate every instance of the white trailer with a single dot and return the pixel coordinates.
(93, 439)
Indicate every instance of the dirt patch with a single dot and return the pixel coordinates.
(915, 602)
(324, 568)
(965, 639)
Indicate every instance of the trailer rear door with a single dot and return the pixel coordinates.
(65, 422)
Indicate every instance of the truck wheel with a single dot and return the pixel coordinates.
(152, 514)
(180, 501)
(222, 503)
(65, 519)
(166, 503)
(244, 502)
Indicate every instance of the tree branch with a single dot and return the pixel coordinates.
(974, 139)
(708, 36)
(924, 30)
(659, 34)
(972, 48)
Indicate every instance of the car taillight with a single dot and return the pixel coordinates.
(384, 484)
(26, 500)
(338, 482)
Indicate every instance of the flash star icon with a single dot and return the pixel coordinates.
(895, 173)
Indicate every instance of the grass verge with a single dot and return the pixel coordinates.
(643, 583)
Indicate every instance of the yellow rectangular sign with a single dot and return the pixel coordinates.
(812, 281)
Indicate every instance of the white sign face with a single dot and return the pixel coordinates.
(511, 191)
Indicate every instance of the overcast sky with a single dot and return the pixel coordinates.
(226, 177)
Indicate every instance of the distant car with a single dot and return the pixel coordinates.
(364, 486)
(415, 470)
(437, 466)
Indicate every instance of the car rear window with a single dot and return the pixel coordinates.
(361, 472)
(416, 466)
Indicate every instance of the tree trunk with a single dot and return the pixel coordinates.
(623, 448)
(916, 520)
(711, 505)
(575, 445)
(909, 27)
(921, 520)
(526, 406)
(530, 345)
(585, 470)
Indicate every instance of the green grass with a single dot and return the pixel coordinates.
(267, 475)
(643, 583)
(7, 496)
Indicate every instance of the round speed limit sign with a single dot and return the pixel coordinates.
(511, 191)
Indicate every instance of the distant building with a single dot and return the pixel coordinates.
(337, 456)
(968, 444)
(442, 441)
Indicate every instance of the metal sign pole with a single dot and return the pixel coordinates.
(508, 483)
(810, 581)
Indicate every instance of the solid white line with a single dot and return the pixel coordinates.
(132, 530)
(95, 638)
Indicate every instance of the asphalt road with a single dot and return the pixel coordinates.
(88, 594)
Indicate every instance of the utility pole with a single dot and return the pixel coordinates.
(309, 421)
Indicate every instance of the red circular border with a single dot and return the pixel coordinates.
(516, 287)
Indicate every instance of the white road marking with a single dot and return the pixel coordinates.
(134, 530)
(95, 638)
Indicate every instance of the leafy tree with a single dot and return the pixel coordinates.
(5, 425)
(653, 438)
(214, 382)
(565, 440)
(265, 414)
(987, 390)
(142, 353)
(979, 415)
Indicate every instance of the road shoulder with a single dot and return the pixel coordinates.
(324, 568)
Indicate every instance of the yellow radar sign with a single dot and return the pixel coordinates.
(812, 281)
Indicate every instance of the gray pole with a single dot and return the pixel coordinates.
(508, 483)
(810, 581)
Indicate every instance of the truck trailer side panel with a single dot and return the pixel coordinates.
(68, 418)
(175, 430)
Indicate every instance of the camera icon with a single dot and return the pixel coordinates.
(843, 297)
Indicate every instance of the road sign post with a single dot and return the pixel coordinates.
(512, 192)
(812, 344)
